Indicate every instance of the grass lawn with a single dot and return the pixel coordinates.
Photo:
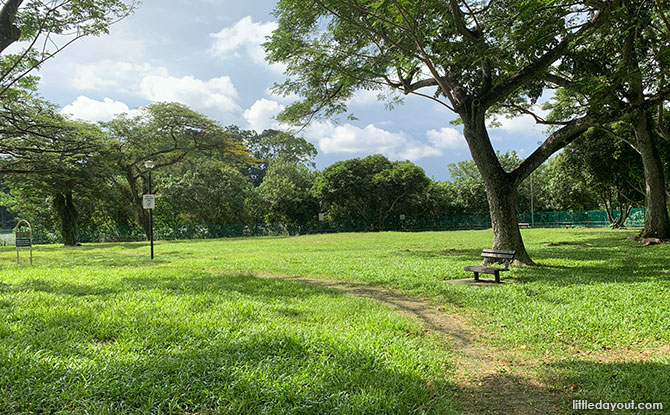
(202, 329)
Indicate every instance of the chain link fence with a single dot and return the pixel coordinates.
(586, 219)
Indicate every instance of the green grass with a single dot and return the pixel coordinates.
(102, 329)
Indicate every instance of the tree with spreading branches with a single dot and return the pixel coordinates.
(477, 58)
(627, 70)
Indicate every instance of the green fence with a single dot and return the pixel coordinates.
(587, 219)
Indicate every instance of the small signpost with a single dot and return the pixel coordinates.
(149, 201)
(23, 238)
(322, 217)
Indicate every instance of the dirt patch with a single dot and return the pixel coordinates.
(568, 243)
(488, 381)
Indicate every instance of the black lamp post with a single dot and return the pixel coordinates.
(150, 165)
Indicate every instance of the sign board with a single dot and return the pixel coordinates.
(149, 201)
(23, 242)
(322, 217)
(23, 238)
(402, 217)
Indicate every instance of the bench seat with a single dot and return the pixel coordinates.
(494, 254)
(484, 270)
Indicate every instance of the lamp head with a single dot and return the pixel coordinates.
(149, 164)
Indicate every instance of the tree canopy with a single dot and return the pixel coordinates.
(476, 58)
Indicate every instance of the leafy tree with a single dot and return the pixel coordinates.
(44, 28)
(472, 57)
(209, 193)
(372, 189)
(66, 175)
(612, 169)
(286, 193)
(566, 186)
(274, 146)
(167, 134)
(628, 71)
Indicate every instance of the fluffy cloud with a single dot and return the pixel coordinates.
(215, 96)
(348, 138)
(524, 124)
(85, 108)
(364, 97)
(244, 37)
(261, 115)
(446, 138)
(120, 75)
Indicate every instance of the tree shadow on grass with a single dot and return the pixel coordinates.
(615, 268)
(641, 381)
(176, 283)
(272, 373)
(160, 364)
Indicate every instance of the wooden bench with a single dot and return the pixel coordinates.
(524, 225)
(497, 254)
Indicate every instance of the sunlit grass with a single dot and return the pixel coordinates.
(102, 328)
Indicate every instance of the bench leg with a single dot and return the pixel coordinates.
(497, 274)
(476, 276)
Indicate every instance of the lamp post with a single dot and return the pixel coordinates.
(150, 165)
(532, 213)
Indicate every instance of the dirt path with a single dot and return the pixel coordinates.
(488, 381)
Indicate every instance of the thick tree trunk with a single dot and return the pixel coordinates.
(500, 187)
(501, 195)
(656, 221)
(67, 213)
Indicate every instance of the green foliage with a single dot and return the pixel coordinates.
(609, 166)
(273, 146)
(566, 188)
(209, 192)
(372, 189)
(45, 28)
(286, 193)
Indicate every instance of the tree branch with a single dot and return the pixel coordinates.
(533, 69)
(557, 140)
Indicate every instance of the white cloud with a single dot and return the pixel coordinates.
(364, 97)
(217, 95)
(244, 37)
(261, 115)
(348, 138)
(414, 151)
(108, 74)
(85, 108)
(446, 138)
(524, 124)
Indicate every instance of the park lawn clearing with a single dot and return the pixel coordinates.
(101, 328)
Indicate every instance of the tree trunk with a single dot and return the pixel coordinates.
(656, 221)
(501, 195)
(500, 187)
(67, 213)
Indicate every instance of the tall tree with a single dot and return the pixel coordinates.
(274, 146)
(469, 56)
(64, 183)
(371, 189)
(628, 73)
(165, 133)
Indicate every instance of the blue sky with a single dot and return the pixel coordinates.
(206, 54)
